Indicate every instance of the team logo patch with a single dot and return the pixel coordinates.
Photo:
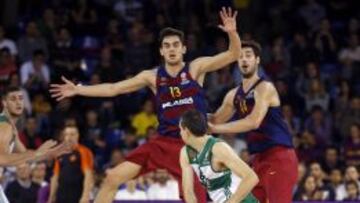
(184, 79)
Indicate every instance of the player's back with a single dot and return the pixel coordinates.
(174, 96)
(273, 130)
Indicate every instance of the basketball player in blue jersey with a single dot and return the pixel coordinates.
(256, 103)
(177, 86)
(12, 150)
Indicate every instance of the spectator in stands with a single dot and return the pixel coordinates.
(351, 174)
(320, 125)
(130, 192)
(336, 179)
(30, 42)
(38, 174)
(47, 25)
(7, 64)
(35, 74)
(116, 158)
(164, 187)
(352, 190)
(292, 121)
(312, 13)
(331, 160)
(317, 96)
(30, 137)
(321, 182)
(7, 43)
(145, 119)
(308, 190)
(107, 68)
(23, 189)
(348, 117)
(352, 146)
(352, 51)
(72, 181)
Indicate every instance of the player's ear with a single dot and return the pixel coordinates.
(258, 60)
(184, 49)
(161, 51)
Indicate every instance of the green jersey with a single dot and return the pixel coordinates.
(219, 184)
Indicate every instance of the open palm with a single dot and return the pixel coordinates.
(61, 91)
(228, 18)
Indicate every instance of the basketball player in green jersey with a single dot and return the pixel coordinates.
(225, 176)
(12, 151)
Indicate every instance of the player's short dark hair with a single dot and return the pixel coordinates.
(195, 121)
(255, 46)
(171, 32)
(8, 90)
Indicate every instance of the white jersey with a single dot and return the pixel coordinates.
(220, 185)
(3, 198)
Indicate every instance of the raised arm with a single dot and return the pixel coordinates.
(264, 95)
(203, 65)
(187, 178)
(231, 160)
(69, 89)
(225, 111)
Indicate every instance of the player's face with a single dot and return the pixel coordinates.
(172, 49)
(248, 62)
(71, 134)
(14, 103)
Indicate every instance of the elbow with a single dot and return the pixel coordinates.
(253, 179)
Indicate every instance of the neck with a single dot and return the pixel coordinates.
(198, 143)
(174, 69)
(247, 82)
(13, 119)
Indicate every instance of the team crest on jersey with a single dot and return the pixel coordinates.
(184, 79)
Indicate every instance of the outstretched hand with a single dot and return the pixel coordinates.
(228, 19)
(62, 91)
(50, 149)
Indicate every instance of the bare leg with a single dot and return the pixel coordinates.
(115, 177)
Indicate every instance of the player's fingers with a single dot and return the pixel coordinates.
(221, 13)
(60, 98)
(65, 80)
(229, 12)
(56, 95)
(235, 14)
(55, 85)
(224, 12)
(221, 27)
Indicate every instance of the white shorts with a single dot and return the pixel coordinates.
(3, 198)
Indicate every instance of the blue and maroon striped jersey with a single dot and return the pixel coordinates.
(273, 130)
(174, 96)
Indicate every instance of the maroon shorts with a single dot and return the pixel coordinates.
(277, 172)
(164, 153)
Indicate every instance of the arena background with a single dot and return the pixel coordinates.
(311, 51)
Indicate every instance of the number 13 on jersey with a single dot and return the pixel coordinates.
(175, 92)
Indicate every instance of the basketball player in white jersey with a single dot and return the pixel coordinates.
(12, 151)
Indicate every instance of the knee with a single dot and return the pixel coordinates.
(111, 181)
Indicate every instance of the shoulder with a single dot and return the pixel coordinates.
(5, 127)
(266, 88)
(221, 148)
(198, 61)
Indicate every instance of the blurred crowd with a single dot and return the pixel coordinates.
(311, 51)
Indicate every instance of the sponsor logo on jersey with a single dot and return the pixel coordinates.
(163, 81)
(180, 102)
